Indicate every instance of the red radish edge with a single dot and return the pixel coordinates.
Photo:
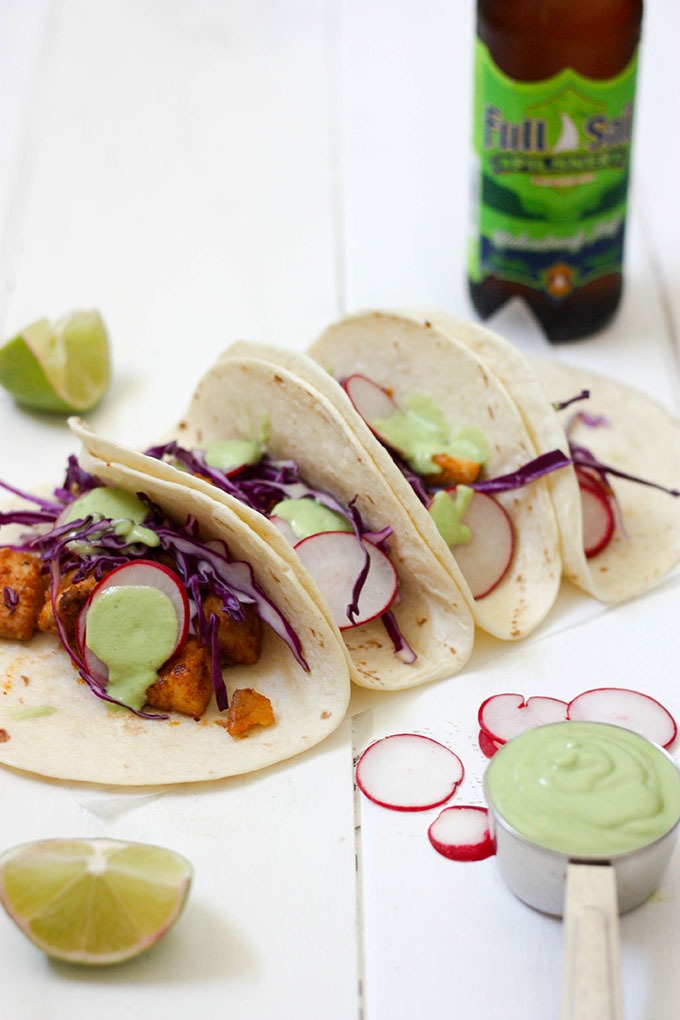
(503, 716)
(462, 833)
(335, 560)
(143, 573)
(408, 772)
(599, 522)
(622, 706)
(487, 746)
(485, 559)
(371, 401)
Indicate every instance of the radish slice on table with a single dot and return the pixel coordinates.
(370, 401)
(487, 746)
(503, 716)
(135, 574)
(462, 834)
(597, 514)
(335, 559)
(486, 558)
(408, 772)
(623, 707)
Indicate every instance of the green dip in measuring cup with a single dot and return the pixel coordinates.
(584, 788)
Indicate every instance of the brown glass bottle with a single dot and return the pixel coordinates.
(531, 41)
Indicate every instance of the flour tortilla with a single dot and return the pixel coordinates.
(234, 400)
(641, 438)
(84, 739)
(407, 353)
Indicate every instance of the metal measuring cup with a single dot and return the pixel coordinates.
(588, 889)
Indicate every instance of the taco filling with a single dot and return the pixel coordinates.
(350, 561)
(148, 613)
(448, 475)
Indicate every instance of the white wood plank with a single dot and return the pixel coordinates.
(171, 164)
(269, 925)
(447, 938)
(405, 151)
(177, 175)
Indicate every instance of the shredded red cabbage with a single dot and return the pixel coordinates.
(582, 457)
(204, 567)
(262, 485)
(529, 472)
(559, 405)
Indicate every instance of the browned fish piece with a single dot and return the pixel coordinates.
(239, 641)
(248, 709)
(184, 682)
(22, 591)
(70, 599)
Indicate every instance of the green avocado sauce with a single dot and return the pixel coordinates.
(229, 454)
(447, 512)
(585, 788)
(309, 517)
(133, 630)
(124, 509)
(419, 430)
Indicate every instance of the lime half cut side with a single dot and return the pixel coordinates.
(93, 901)
(62, 367)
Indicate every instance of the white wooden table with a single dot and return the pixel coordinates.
(221, 169)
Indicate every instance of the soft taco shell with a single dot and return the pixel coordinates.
(239, 396)
(641, 438)
(52, 725)
(407, 353)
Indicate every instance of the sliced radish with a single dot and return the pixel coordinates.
(503, 716)
(597, 514)
(135, 574)
(335, 559)
(623, 707)
(370, 401)
(487, 746)
(285, 528)
(486, 558)
(97, 669)
(408, 772)
(462, 834)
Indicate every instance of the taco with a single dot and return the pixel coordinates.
(446, 431)
(619, 523)
(147, 636)
(274, 450)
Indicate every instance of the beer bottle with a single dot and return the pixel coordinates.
(552, 126)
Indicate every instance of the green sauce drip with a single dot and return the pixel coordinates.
(420, 430)
(32, 712)
(309, 517)
(447, 512)
(124, 509)
(229, 454)
(133, 630)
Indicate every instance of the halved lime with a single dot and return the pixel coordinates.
(62, 367)
(93, 901)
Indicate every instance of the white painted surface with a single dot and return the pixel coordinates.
(205, 171)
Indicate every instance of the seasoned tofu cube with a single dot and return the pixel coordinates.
(70, 599)
(184, 682)
(239, 641)
(22, 591)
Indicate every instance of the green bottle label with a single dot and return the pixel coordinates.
(552, 166)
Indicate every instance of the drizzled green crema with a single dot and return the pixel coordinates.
(125, 510)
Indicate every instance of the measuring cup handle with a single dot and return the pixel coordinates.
(591, 983)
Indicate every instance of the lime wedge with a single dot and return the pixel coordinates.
(93, 901)
(63, 367)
